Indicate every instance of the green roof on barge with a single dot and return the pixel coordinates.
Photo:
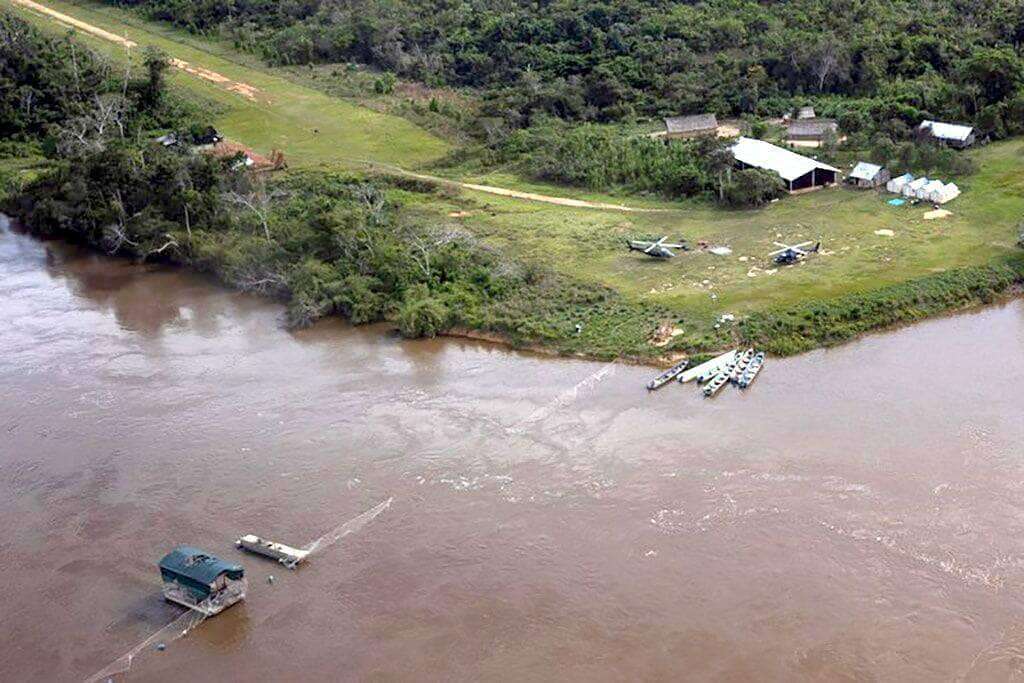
(197, 570)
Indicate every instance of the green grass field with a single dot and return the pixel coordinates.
(588, 244)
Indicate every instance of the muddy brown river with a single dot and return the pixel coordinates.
(857, 514)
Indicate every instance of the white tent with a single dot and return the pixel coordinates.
(947, 193)
(928, 190)
(911, 188)
(897, 184)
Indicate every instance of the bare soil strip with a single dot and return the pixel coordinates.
(243, 89)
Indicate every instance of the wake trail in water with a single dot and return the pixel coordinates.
(178, 628)
(566, 398)
(350, 527)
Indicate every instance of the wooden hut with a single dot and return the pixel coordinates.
(691, 126)
(811, 131)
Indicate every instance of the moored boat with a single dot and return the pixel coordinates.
(286, 555)
(751, 372)
(667, 376)
(719, 381)
(742, 361)
(707, 369)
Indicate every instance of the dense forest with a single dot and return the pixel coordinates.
(594, 60)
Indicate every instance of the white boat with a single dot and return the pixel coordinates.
(284, 554)
(708, 369)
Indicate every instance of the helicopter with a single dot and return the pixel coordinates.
(656, 249)
(791, 253)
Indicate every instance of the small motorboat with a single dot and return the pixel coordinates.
(751, 372)
(742, 361)
(667, 376)
(719, 381)
(286, 555)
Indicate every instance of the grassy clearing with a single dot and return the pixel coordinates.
(589, 244)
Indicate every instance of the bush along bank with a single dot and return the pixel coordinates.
(826, 323)
(325, 244)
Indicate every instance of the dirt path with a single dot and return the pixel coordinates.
(243, 89)
(253, 94)
(515, 194)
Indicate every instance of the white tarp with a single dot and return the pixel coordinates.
(948, 193)
(931, 189)
(897, 184)
(789, 165)
(911, 188)
(947, 131)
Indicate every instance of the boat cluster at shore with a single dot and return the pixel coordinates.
(735, 367)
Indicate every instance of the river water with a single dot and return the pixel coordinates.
(858, 513)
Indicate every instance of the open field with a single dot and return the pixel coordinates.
(587, 244)
(590, 245)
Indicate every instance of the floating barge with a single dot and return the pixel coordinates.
(286, 555)
(667, 376)
(200, 581)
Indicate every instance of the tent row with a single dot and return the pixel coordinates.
(923, 188)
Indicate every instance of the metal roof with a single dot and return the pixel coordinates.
(198, 565)
(686, 124)
(947, 131)
(789, 165)
(805, 113)
(865, 171)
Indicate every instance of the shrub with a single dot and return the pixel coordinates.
(422, 315)
(752, 187)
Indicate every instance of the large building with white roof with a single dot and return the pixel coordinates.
(798, 172)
